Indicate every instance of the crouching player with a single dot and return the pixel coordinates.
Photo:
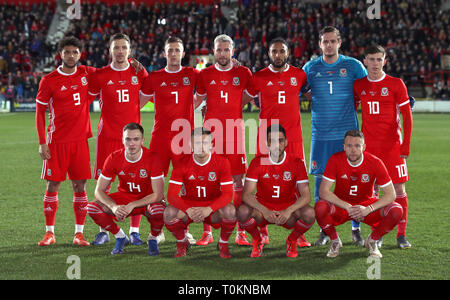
(207, 193)
(282, 194)
(140, 190)
(354, 173)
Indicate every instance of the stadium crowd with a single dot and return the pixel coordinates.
(413, 32)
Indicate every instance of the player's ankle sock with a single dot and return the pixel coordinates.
(251, 227)
(156, 218)
(299, 228)
(120, 234)
(102, 219)
(135, 222)
(206, 228)
(177, 228)
(227, 227)
(80, 201)
(392, 214)
(50, 208)
(324, 219)
(401, 226)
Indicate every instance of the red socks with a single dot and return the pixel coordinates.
(80, 201)
(50, 208)
(401, 226)
(101, 218)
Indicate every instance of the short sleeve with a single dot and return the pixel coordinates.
(401, 96)
(108, 170)
(177, 176)
(200, 86)
(252, 88)
(360, 70)
(147, 86)
(382, 175)
(252, 172)
(301, 174)
(330, 169)
(94, 83)
(225, 173)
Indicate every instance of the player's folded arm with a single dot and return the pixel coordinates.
(225, 197)
(173, 195)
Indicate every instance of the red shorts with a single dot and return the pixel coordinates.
(162, 146)
(122, 198)
(105, 147)
(238, 163)
(340, 215)
(67, 158)
(395, 165)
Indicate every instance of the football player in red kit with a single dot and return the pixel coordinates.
(140, 189)
(383, 98)
(65, 149)
(354, 172)
(282, 196)
(223, 85)
(208, 192)
(118, 88)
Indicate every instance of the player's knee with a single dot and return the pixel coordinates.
(243, 213)
(321, 208)
(79, 186)
(228, 212)
(308, 215)
(394, 211)
(170, 213)
(53, 186)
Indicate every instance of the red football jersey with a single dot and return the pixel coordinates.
(118, 92)
(380, 102)
(354, 184)
(173, 95)
(223, 90)
(279, 94)
(276, 186)
(134, 176)
(202, 182)
(67, 100)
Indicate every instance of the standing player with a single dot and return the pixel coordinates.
(278, 88)
(382, 97)
(223, 85)
(172, 91)
(117, 86)
(282, 195)
(330, 78)
(207, 195)
(65, 150)
(140, 190)
(354, 173)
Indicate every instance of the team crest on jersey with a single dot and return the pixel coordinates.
(293, 81)
(212, 176)
(343, 72)
(236, 81)
(134, 80)
(186, 81)
(84, 80)
(365, 178)
(143, 173)
(384, 91)
(287, 176)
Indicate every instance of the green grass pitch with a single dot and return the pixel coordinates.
(22, 224)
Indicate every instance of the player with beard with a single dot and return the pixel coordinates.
(223, 85)
(353, 173)
(278, 87)
(65, 149)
